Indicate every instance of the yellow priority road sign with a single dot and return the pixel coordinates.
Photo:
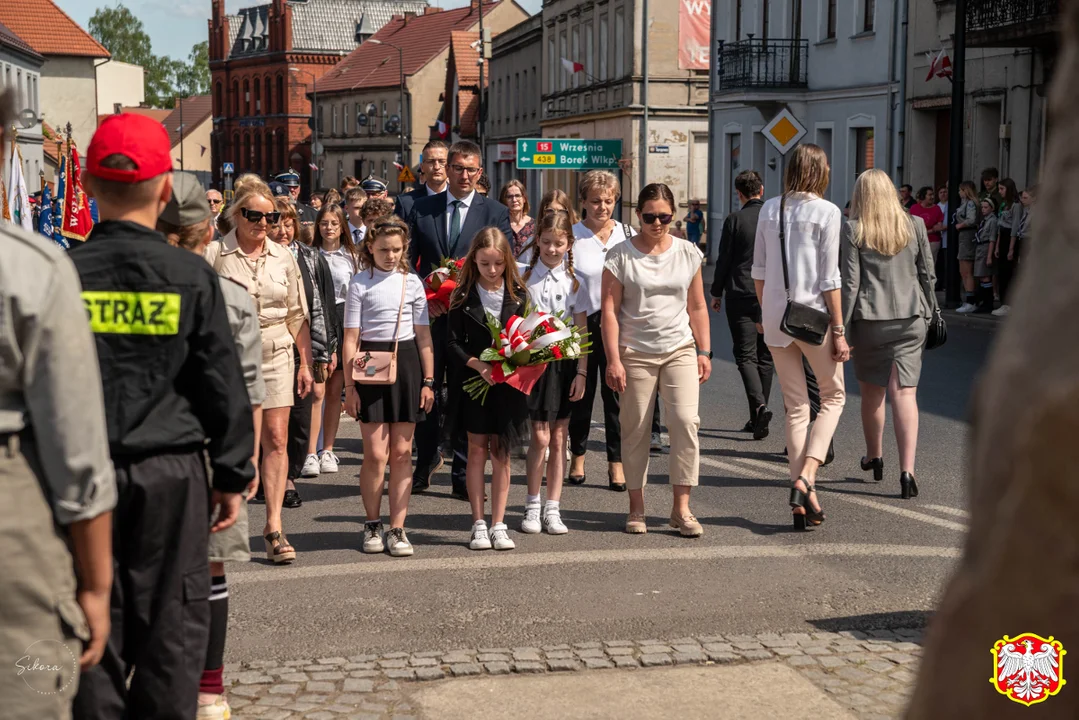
(784, 131)
(406, 175)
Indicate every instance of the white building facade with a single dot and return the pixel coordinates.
(834, 64)
(20, 71)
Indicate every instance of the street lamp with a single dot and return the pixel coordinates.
(314, 125)
(401, 63)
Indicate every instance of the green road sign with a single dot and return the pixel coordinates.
(568, 154)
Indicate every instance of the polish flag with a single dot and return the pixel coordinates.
(443, 129)
(939, 66)
(572, 67)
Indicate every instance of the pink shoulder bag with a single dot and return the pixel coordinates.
(379, 367)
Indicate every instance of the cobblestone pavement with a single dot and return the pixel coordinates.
(871, 673)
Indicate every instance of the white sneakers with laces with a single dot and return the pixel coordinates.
(966, 308)
(531, 524)
(480, 539)
(398, 543)
(500, 537)
(372, 537)
(328, 462)
(311, 467)
(1002, 311)
(552, 521)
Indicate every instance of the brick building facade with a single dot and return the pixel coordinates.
(263, 62)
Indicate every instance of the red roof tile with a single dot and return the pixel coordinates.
(463, 67)
(465, 57)
(16, 43)
(155, 113)
(48, 29)
(49, 144)
(196, 109)
(421, 38)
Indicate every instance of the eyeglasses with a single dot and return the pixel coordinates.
(254, 216)
(650, 218)
(462, 170)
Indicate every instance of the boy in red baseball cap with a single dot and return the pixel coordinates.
(174, 393)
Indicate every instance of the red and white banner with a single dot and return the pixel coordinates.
(694, 31)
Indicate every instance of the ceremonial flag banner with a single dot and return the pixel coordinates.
(694, 30)
(44, 225)
(572, 67)
(58, 213)
(18, 199)
(443, 130)
(77, 219)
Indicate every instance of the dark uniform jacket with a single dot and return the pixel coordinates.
(735, 259)
(402, 205)
(307, 214)
(170, 371)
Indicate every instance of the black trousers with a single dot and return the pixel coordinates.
(160, 593)
(299, 428)
(812, 390)
(580, 422)
(429, 432)
(751, 354)
(1006, 267)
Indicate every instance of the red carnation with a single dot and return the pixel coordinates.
(556, 351)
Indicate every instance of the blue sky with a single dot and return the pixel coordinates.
(175, 25)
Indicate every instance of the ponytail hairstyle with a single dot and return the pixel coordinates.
(560, 223)
(384, 227)
(487, 238)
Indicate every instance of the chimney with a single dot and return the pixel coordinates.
(408, 15)
(431, 10)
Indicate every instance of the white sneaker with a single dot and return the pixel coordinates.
(552, 521)
(531, 522)
(217, 710)
(311, 467)
(398, 543)
(657, 443)
(372, 537)
(1002, 311)
(500, 537)
(480, 539)
(966, 308)
(328, 462)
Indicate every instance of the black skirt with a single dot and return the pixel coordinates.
(549, 400)
(504, 413)
(339, 317)
(400, 402)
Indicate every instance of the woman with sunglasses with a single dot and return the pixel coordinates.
(656, 337)
(270, 273)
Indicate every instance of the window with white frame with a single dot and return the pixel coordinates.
(588, 48)
(552, 65)
(604, 27)
(620, 30)
(562, 84)
(575, 48)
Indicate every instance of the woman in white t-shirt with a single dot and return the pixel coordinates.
(656, 336)
(596, 235)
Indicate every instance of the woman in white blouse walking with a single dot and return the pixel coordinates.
(656, 335)
(811, 226)
(386, 311)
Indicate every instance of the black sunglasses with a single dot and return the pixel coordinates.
(664, 218)
(254, 216)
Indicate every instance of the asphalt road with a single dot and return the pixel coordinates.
(877, 563)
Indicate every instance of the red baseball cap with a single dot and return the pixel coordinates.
(142, 140)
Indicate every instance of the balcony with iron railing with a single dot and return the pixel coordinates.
(1012, 23)
(757, 64)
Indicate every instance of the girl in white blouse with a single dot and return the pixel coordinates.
(377, 319)
(554, 288)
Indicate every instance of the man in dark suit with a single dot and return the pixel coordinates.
(733, 278)
(433, 163)
(442, 226)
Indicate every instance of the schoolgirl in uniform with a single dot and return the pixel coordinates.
(386, 309)
(489, 284)
(553, 288)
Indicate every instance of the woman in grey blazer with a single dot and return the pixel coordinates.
(887, 295)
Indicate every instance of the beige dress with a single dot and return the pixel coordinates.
(273, 279)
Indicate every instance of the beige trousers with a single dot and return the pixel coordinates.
(803, 442)
(674, 374)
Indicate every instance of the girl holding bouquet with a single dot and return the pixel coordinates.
(487, 284)
(554, 289)
(386, 309)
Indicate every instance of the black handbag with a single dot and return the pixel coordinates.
(936, 330)
(801, 322)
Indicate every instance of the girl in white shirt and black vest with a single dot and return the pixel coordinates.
(555, 289)
(386, 310)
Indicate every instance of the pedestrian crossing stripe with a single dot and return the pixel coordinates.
(132, 313)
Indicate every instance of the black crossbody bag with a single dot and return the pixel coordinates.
(801, 322)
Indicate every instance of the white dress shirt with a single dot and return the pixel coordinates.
(551, 290)
(463, 210)
(342, 268)
(589, 256)
(812, 228)
(431, 192)
(357, 233)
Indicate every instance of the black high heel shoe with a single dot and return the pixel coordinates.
(908, 486)
(799, 499)
(611, 484)
(876, 465)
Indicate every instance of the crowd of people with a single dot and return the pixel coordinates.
(224, 342)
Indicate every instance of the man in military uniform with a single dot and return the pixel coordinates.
(174, 392)
(291, 180)
(374, 187)
(58, 484)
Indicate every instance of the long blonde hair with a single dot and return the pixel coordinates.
(487, 238)
(878, 221)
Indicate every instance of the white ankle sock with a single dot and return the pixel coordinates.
(532, 500)
(552, 504)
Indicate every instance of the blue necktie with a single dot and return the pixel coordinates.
(455, 225)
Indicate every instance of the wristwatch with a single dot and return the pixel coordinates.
(705, 353)
(839, 330)
(429, 383)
